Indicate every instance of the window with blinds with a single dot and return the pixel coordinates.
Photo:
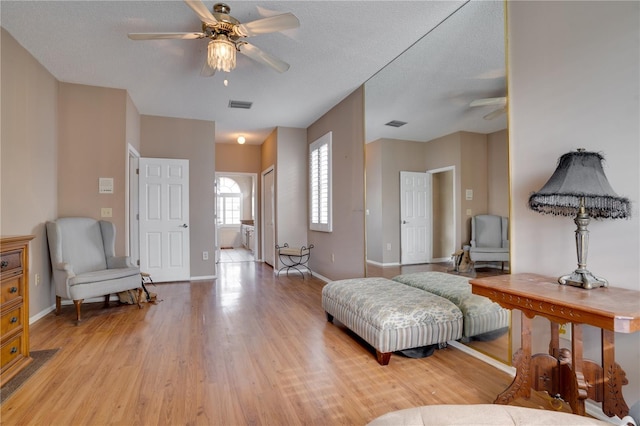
(320, 184)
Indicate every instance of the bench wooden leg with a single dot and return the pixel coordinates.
(106, 300)
(383, 357)
(329, 317)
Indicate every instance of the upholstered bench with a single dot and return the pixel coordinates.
(480, 314)
(481, 414)
(391, 316)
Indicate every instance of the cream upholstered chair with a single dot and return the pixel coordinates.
(489, 239)
(84, 263)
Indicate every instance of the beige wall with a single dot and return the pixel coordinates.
(498, 173)
(291, 187)
(238, 158)
(341, 253)
(92, 144)
(193, 140)
(28, 155)
(573, 82)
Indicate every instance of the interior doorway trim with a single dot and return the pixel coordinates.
(254, 207)
(454, 206)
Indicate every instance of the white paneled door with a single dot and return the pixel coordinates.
(164, 219)
(415, 217)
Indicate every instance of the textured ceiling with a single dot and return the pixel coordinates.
(338, 46)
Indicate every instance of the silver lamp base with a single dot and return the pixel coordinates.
(583, 279)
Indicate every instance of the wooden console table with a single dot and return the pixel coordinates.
(563, 372)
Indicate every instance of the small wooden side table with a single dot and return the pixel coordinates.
(563, 372)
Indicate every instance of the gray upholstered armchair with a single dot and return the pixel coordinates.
(489, 239)
(84, 263)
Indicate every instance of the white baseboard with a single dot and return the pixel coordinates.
(382, 265)
(42, 314)
(203, 278)
(493, 362)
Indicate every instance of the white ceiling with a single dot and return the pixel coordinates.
(339, 46)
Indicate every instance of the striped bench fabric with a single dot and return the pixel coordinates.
(481, 315)
(391, 316)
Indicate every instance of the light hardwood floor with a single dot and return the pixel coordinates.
(247, 348)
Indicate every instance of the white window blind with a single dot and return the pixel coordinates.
(320, 184)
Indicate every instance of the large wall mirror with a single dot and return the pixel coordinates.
(419, 119)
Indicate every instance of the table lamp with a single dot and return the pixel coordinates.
(579, 187)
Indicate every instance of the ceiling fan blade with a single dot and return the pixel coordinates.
(201, 10)
(160, 36)
(286, 21)
(495, 114)
(488, 101)
(259, 55)
(206, 70)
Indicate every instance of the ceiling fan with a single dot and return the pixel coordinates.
(227, 36)
(501, 103)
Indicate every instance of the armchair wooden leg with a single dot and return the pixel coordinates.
(58, 305)
(78, 303)
(106, 300)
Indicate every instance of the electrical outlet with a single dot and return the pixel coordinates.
(37, 279)
(469, 212)
(205, 255)
(106, 212)
(388, 246)
(333, 258)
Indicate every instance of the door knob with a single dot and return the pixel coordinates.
(184, 225)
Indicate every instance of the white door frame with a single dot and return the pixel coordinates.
(270, 169)
(454, 209)
(254, 207)
(131, 219)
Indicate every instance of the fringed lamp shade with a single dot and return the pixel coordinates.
(580, 188)
(578, 178)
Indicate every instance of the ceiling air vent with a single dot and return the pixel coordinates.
(396, 123)
(240, 104)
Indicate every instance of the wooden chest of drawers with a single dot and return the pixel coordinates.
(14, 306)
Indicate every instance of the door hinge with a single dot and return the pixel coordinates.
(138, 262)
(137, 171)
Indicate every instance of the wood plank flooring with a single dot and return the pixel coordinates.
(246, 349)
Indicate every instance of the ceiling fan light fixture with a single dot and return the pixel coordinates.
(222, 54)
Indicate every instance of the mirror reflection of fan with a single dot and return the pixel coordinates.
(501, 103)
(227, 36)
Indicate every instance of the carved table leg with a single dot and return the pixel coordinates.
(579, 394)
(521, 385)
(614, 378)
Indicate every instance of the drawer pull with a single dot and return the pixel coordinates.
(4, 264)
(14, 350)
(13, 320)
(13, 290)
